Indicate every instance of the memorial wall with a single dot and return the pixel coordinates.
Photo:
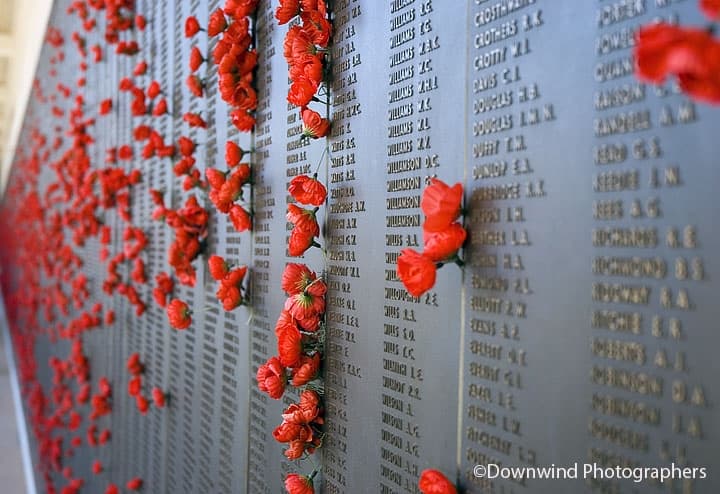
(580, 330)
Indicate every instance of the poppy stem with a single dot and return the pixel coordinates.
(320, 161)
(314, 98)
(314, 473)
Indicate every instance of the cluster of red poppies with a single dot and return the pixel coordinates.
(230, 291)
(300, 333)
(235, 58)
(136, 369)
(306, 52)
(134, 243)
(443, 236)
(227, 187)
(59, 199)
(190, 226)
(692, 55)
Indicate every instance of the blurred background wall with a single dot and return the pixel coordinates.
(22, 29)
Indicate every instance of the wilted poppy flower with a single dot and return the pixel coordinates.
(416, 271)
(307, 190)
(441, 205)
(299, 484)
(271, 378)
(191, 26)
(178, 314)
(434, 482)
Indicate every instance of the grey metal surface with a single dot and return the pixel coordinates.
(509, 361)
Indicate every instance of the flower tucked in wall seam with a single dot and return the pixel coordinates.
(443, 237)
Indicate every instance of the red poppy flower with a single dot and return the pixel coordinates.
(444, 244)
(242, 120)
(218, 267)
(142, 404)
(317, 27)
(240, 218)
(112, 489)
(303, 219)
(307, 190)
(416, 271)
(153, 90)
(134, 484)
(194, 120)
(192, 26)
(133, 364)
(160, 108)
(306, 370)
(314, 125)
(289, 340)
(105, 106)
(271, 378)
(711, 8)
(178, 314)
(238, 9)
(217, 22)
(301, 92)
(441, 205)
(434, 482)
(158, 397)
(692, 55)
(309, 303)
(299, 242)
(287, 10)
(296, 278)
(233, 154)
(140, 22)
(194, 85)
(140, 68)
(299, 484)
(135, 386)
(186, 145)
(196, 59)
(97, 467)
